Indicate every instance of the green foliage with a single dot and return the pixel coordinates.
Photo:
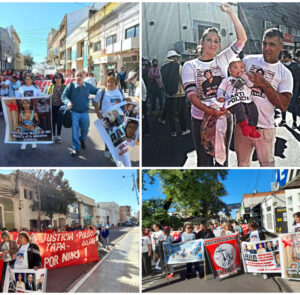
(196, 191)
(28, 60)
(55, 193)
(153, 212)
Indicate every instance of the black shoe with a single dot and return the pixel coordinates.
(188, 277)
(75, 153)
(282, 123)
(83, 144)
(294, 126)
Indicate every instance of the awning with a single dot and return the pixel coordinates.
(294, 183)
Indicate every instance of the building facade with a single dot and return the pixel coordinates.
(17, 195)
(113, 34)
(107, 213)
(50, 49)
(125, 213)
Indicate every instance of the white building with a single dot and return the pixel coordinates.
(107, 213)
(180, 26)
(291, 184)
(77, 48)
(273, 211)
(114, 39)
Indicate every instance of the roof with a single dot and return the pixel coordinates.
(293, 184)
(264, 194)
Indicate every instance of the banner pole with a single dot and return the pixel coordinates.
(204, 270)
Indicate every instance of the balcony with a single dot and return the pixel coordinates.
(130, 43)
(113, 48)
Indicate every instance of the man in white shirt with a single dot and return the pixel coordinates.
(273, 87)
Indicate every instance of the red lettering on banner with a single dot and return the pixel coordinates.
(64, 249)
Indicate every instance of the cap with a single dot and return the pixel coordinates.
(172, 53)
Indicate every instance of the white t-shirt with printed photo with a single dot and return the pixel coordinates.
(21, 261)
(195, 75)
(4, 92)
(110, 98)
(281, 80)
(254, 236)
(30, 91)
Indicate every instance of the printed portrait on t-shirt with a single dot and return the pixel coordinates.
(268, 76)
(208, 82)
(28, 93)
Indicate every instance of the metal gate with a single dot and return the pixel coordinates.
(281, 220)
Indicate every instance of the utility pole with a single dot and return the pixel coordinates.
(134, 187)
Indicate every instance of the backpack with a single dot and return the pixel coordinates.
(170, 77)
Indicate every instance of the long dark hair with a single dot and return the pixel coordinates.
(31, 77)
(58, 75)
(297, 214)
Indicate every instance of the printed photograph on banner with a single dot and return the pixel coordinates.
(290, 256)
(85, 60)
(25, 281)
(60, 222)
(207, 71)
(27, 119)
(220, 230)
(261, 257)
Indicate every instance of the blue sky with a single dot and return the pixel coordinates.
(33, 22)
(102, 185)
(237, 183)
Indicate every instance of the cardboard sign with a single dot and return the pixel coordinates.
(224, 255)
(190, 251)
(262, 256)
(27, 119)
(25, 281)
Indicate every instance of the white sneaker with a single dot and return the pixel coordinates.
(34, 146)
(185, 132)
(255, 273)
(265, 276)
(23, 146)
(107, 155)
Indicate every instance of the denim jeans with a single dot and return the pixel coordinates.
(189, 267)
(79, 121)
(131, 89)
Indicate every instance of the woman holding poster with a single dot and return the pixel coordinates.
(28, 255)
(107, 97)
(29, 89)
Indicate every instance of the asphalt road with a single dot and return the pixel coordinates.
(240, 283)
(60, 279)
(58, 155)
(161, 150)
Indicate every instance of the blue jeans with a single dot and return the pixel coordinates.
(82, 121)
(131, 89)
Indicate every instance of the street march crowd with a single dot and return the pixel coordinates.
(230, 92)
(222, 249)
(36, 110)
(24, 251)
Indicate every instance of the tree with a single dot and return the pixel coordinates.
(153, 212)
(28, 60)
(196, 191)
(54, 192)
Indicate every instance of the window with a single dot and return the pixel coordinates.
(97, 46)
(30, 195)
(110, 40)
(282, 28)
(268, 25)
(25, 193)
(132, 32)
(299, 198)
(290, 201)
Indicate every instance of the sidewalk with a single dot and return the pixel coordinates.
(288, 286)
(119, 270)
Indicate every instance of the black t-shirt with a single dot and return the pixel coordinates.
(205, 235)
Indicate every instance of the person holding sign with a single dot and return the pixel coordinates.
(235, 92)
(28, 255)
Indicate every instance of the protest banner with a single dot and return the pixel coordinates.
(111, 129)
(262, 256)
(27, 119)
(25, 281)
(245, 228)
(290, 255)
(44, 84)
(224, 255)
(190, 251)
(131, 122)
(66, 248)
(1, 264)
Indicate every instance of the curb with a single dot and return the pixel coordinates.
(282, 283)
(79, 282)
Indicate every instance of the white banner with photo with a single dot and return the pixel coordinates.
(262, 256)
(132, 122)
(27, 119)
(112, 130)
(25, 280)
